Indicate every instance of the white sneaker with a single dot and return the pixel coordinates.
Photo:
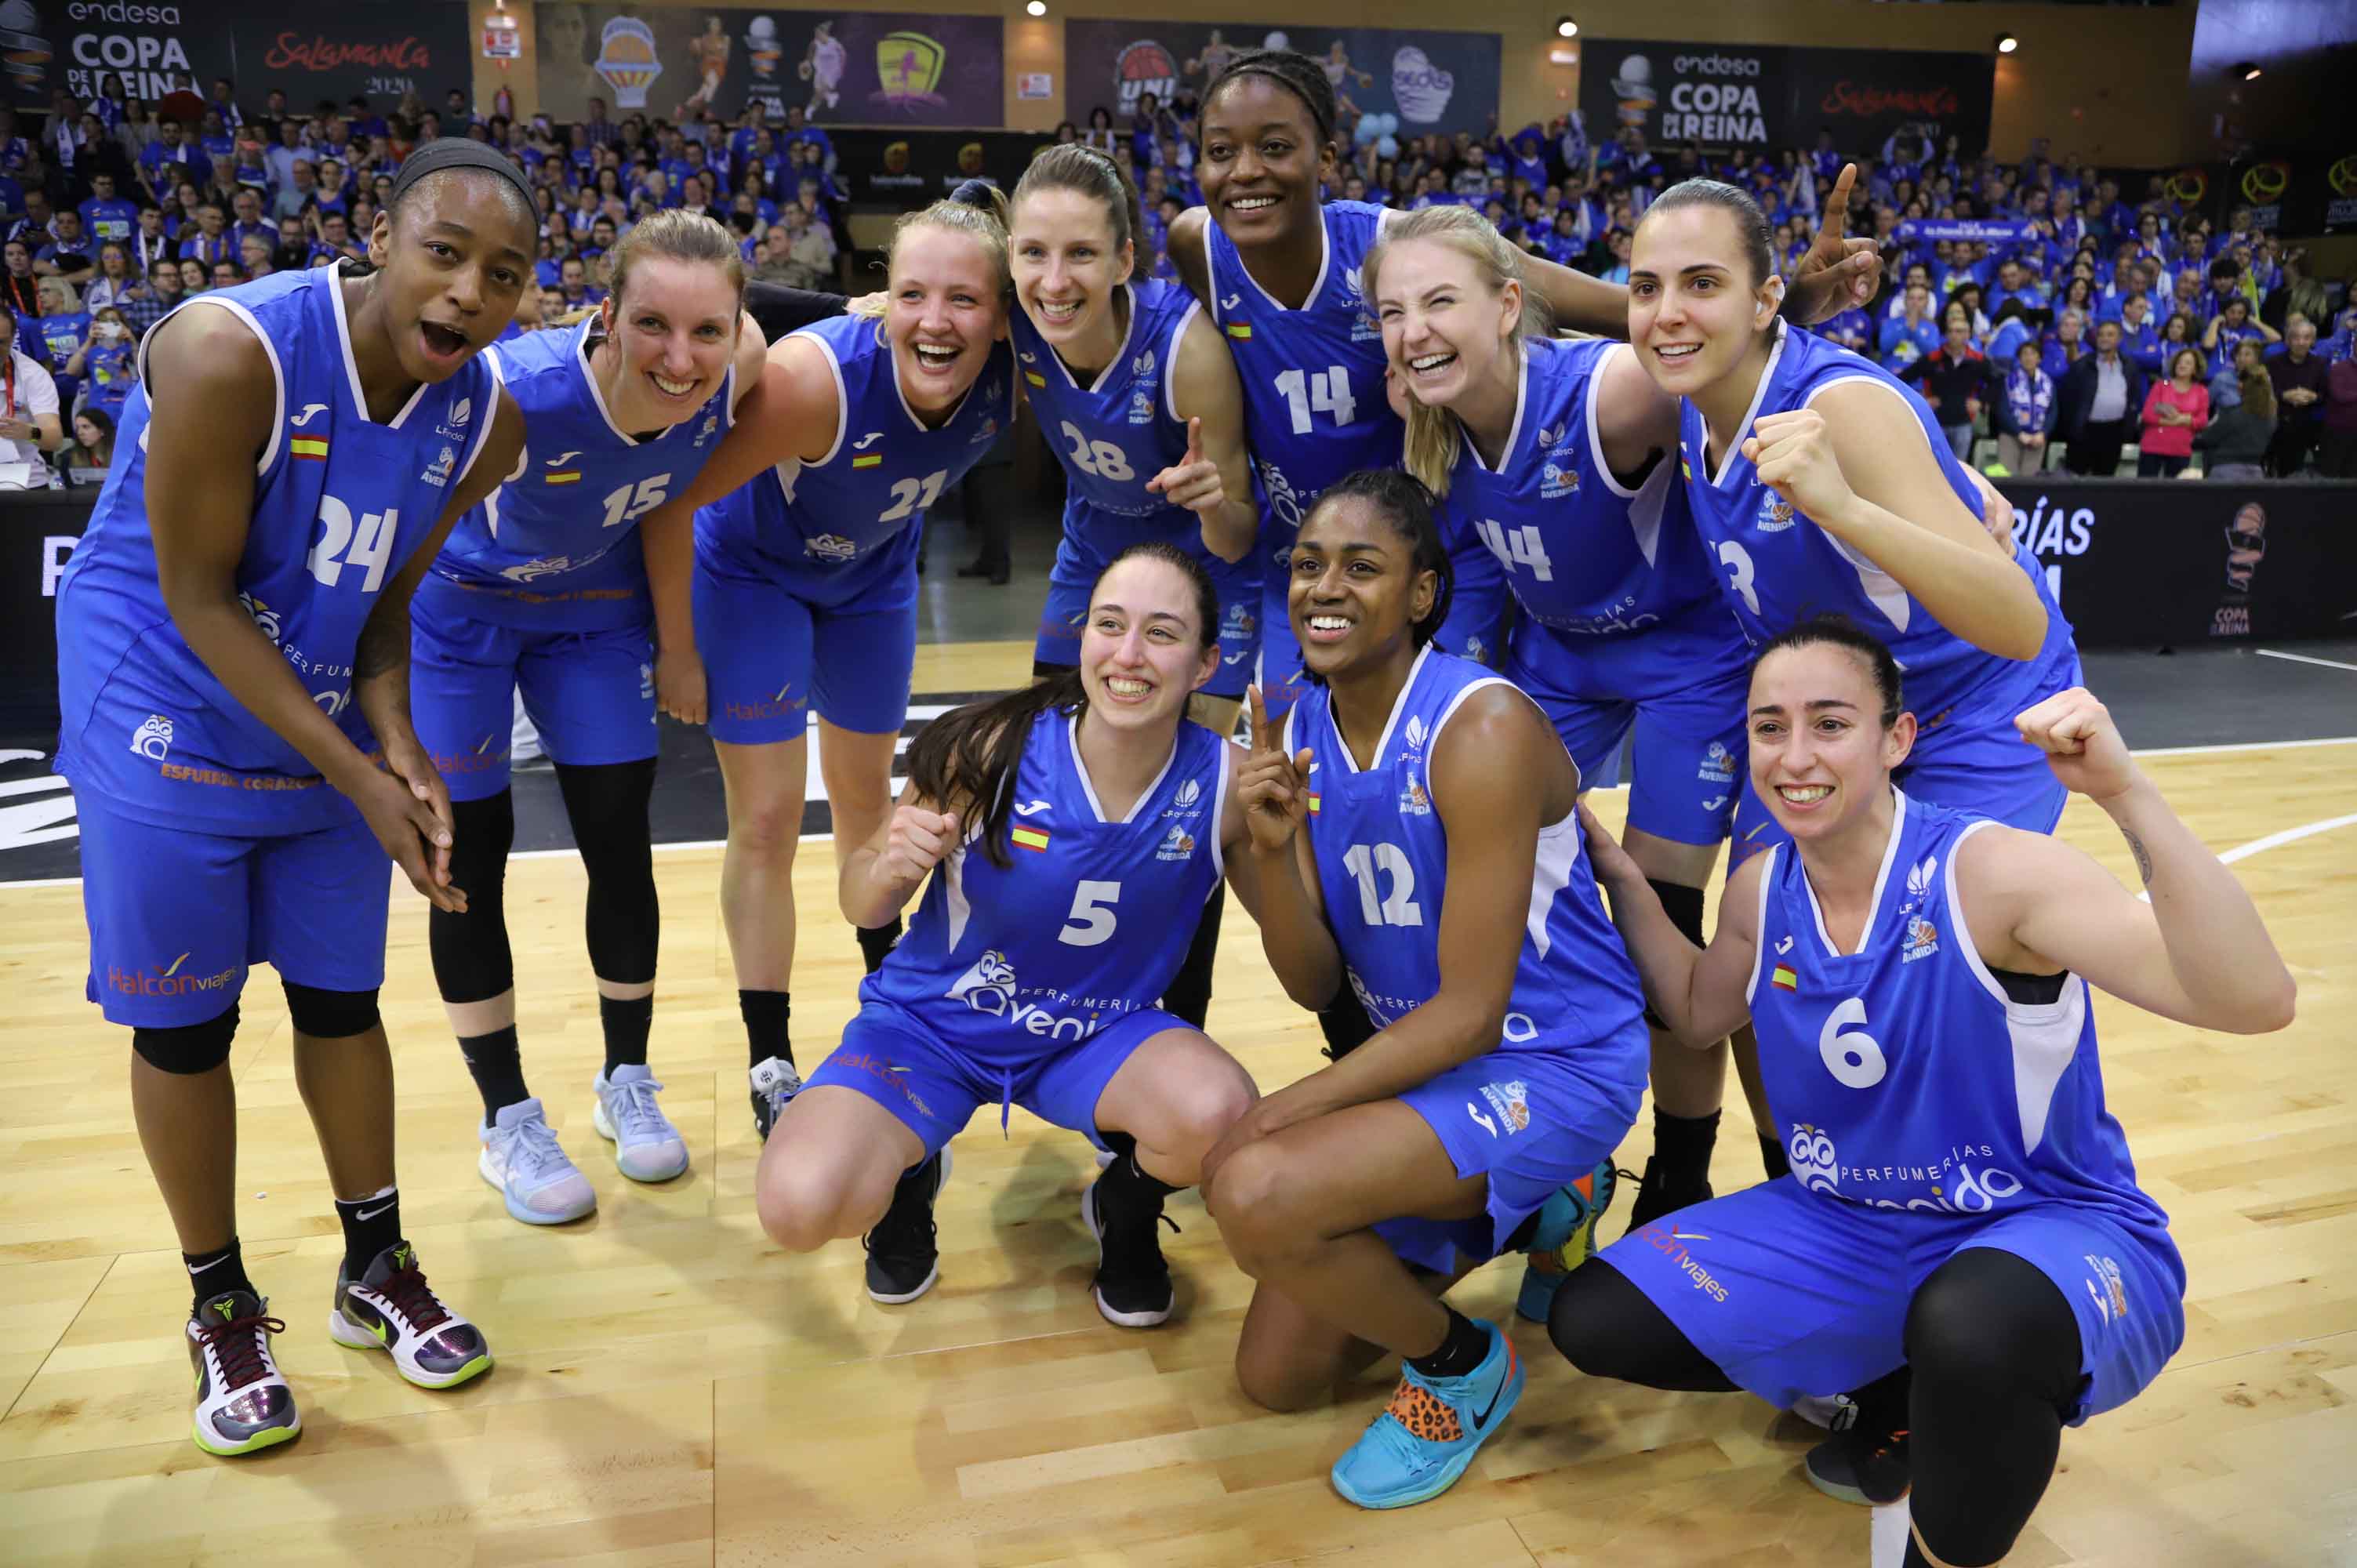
(646, 1145)
(1893, 1529)
(774, 1082)
(242, 1405)
(523, 1158)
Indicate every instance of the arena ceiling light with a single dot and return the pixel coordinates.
(2247, 71)
(1564, 27)
(1036, 8)
(2006, 43)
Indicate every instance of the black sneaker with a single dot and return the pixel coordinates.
(1857, 1466)
(1132, 1285)
(1655, 1197)
(903, 1260)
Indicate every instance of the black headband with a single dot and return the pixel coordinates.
(459, 153)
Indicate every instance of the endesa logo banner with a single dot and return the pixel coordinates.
(1759, 95)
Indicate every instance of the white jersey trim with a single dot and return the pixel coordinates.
(1734, 453)
(842, 403)
(580, 357)
(2044, 1035)
(1881, 880)
(278, 372)
(1596, 438)
(1432, 742)
(1383, 741)
(329, 276)
(1760, 925)
(491, 423)
(1514, 432)
(1170, 366)
(1088, 786)
(1219, 815)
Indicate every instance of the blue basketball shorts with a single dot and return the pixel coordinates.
(888, 1055)
(1079, 561)
(1681, 690)
(1790, 1293)
(591, 694)
(177, 917)
(1531, 1121)
(776, 642)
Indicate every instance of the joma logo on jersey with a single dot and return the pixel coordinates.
(1775, 513)
(1922, 940)
(989, 987)
(1717, 765)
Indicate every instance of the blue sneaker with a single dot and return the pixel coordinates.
(1433, 1427)
(1566, 1238)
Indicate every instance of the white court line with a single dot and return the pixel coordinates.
(2241, 746)
(2289, 835)
(2308, 658)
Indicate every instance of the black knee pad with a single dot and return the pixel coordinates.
(190, 1048)
(1683, 906)
(330, 1015)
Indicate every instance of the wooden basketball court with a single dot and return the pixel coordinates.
(673, 1389)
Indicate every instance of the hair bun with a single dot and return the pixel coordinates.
(978, 193)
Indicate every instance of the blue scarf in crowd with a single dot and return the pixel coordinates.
(2028, 393)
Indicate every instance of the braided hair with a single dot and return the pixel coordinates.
(1295, 72)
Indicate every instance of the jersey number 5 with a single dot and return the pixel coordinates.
(1092, 920)
(1318, 392)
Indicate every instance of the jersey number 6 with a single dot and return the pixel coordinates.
(1852, 1055)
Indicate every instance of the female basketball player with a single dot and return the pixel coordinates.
(805, 579)
(1281, 275)
(544, 587)
(1138, 396)
(1413, 837)
(1063, 827)
(1966, 1210)
(1817, 480)
(233, 671)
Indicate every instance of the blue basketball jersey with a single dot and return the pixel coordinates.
(340, 504)
(1313, 378)
(1383, 871)
(815, 521)
(1116, 433)
(1584, 554)
(1903, 1075)
(557, 547)
(1779, 569)
(1087, 924)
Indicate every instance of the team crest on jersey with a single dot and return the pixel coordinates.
(830, 547)
(1240, 623)
(153, 738)
(1176, 845)
(1414, 802)
(453, 424)
(1418, 731)
(1717, 765)
(988, 431)
(1511, 1101)
(1922, 940)
(1141, 407)
(710, 423)
(1555, 480)
(2106, 1288)
(437, 473)
(546, 566)
(1775, 513)
(1363, 327)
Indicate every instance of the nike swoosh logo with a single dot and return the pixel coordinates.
(1482, 1421)
(562, 458)
(1687, 1235)
(1030, 808)
(216, 1263)
(372, 1213)
(303, 418)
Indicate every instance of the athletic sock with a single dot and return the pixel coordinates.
(1128, 1192)
(764, 1014)
(214, 1273)
(625, 1024)
(497, 1069)
(1773, 1156)
(1459, 1353)
(875, 941)
(1682, 1147)
(370, 1225)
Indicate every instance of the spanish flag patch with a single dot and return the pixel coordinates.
(1035, 378)
(1029, 838)
(1686, 469)
(564, 476)
(1313, 805)
(312, 448)
(1783, 979)
(1240, 329)
(868, 460)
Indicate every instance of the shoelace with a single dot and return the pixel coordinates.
(632, 1106)
(241, 1348)
(533, 1148)
(776, 1082)
(1128, 1251)
(406, 1288)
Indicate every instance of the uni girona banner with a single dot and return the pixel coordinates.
(354, 49)
(1769, 96)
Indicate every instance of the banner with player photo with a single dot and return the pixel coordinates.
(370, 48)
(1766, 96)
(1430, 81)
(849, 68)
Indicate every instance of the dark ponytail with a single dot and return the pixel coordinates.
(965, 761)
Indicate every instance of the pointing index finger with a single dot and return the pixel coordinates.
(1259, 718)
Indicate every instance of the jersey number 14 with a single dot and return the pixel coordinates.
(1309, 393)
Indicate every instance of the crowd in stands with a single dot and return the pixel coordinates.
(2112, 320)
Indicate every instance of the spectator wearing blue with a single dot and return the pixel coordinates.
(2012, 328)
(1955, 381)
(1851, 328)
(2234, 325)
(2014, 283)
(104, 215)
(1916, 272)
(1913, 332)
(62, 329)
(2024, 417)
(2139, 340)
(2098, 400)
(71, 253)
